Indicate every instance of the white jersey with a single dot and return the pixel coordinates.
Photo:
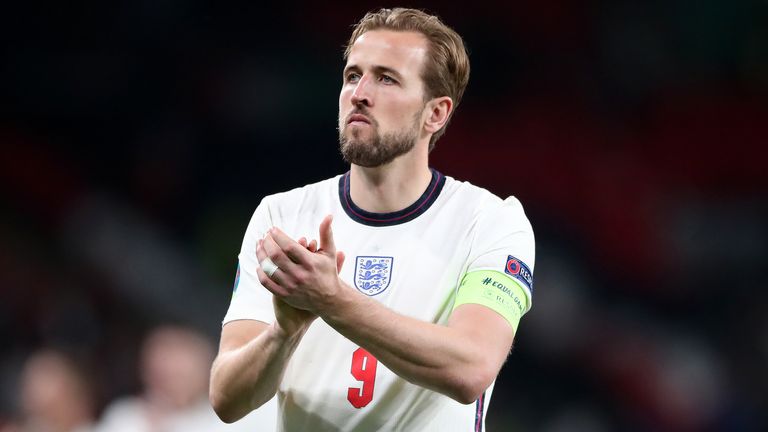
(411, 261)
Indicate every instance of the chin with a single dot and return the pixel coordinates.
(358, 139)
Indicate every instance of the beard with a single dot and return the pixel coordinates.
(379, 149)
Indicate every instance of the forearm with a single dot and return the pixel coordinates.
(459, 359)
(433, 356)
(245, 378)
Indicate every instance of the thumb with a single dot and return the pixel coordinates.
(326, 236)
(339, 261)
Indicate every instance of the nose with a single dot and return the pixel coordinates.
(361, 95)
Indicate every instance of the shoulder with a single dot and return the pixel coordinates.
(285, 209)
(312, 189)
(482, 202)
(123, 413)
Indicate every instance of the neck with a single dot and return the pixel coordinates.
(390, 187)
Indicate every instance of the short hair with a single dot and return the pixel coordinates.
(446, 71)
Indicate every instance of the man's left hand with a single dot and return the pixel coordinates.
(304, 279)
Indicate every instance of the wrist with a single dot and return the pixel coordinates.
(335, 307)
(286, 334)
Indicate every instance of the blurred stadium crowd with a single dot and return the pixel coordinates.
(138, 136)
(57, 391)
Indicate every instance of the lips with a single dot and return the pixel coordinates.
(358, 118)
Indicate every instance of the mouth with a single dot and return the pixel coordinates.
(358, 118)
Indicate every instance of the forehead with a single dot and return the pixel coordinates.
(402, 51)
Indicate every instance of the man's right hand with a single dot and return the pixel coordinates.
(291, 320)
(253, 355)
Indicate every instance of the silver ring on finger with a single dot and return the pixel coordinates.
(268, 267)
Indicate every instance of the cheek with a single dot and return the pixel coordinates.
(404, 114)
(344, 97)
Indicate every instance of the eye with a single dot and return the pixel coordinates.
(353, 77)
(386, 79)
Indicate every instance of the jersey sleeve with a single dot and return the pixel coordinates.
(505, 243)
(250, 300)
(500, 265)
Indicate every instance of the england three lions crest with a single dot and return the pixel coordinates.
(372, 274)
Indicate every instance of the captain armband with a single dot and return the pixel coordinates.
(495, 290)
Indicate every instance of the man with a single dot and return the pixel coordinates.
(55, 394)
(411, 332)
(172, 366)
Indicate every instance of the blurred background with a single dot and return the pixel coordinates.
(137, 138)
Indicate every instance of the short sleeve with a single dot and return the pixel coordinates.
(504, 242)
(250, 300)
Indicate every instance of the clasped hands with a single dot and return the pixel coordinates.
(307, 276)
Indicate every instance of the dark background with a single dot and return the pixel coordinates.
(138, 136)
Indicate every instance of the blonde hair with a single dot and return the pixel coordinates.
(446, 71)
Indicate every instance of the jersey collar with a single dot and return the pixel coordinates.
(394, 218)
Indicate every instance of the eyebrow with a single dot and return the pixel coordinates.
(378, 69)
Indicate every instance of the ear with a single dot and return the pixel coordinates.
(437, 112)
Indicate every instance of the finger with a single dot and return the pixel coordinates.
(277, 255)
(326, 236)
(339, 261)
(294, 251)
(269, 284)
(260, 252)
(278, 276)
(302, 241)
(312, 246)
